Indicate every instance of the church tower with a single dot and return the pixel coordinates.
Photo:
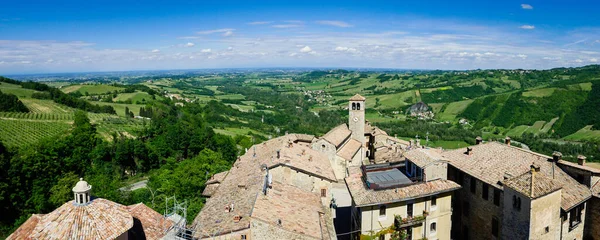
(356, 117)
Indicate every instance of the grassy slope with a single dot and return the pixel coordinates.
(91, 89)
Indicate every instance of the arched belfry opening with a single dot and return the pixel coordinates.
(357, 106)
(353, 106)
(81, 192)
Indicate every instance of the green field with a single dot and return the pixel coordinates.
(447, 144)
(45, 106)
(91, 89)
(139, 97)
(17, 132)
(17, 90)
(542, 92)
(120, 107)
(585, 133)
(453, 109)
(238, 131)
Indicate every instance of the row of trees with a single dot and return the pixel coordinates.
(11, 103)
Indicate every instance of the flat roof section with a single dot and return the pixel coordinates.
(387, 178)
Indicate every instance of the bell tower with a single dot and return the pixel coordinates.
(356, 117)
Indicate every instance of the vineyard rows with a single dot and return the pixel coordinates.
(18, 133)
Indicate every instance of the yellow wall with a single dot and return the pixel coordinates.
(441, 214)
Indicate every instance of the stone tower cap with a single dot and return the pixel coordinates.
(357, 97)
(82, 186)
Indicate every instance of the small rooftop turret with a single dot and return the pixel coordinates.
(81, 192)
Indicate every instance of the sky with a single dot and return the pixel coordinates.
(85, 36)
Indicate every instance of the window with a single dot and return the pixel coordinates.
(580, 178)
(382, 237)
(485, 191)
(575, 217)
(433, 201)
(473, 185)
(432, 228)
(243, 236)
(466, 208)
(516, 203)
(547, 229)
(323, 192)
(496, 197)
(495, 227)
(409, 209)
(382, 210)
(409, 233)
(353, 106)
(358, 106)
(461, 178)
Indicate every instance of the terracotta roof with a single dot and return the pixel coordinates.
(349, 149)
(366, 197)
(422, 157)
(490, 162)
(338, 135)
(304, 137)
(596, 189)
(100, 219)
(243, 185)
(25, 230)
(373, 130)
(388, 154)
(297, 210)
(217, 178)
(541, 185)
(580, 167)
(153, 223)
(357, 97)
(210, 189)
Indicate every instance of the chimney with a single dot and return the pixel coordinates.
(581, 160)
(478, 140)
(534, 170)
(237, 218)
(556, 156)
(278, 154)
(303, 151)
(469, 151)
(507, 140)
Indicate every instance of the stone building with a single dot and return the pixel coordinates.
(87, 217)
(279, 189)
(512, 193)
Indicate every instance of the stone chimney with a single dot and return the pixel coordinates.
(581, 160)
(507, 140)
(534, 170)
(556, 156)
(478, 140)
(469, 151)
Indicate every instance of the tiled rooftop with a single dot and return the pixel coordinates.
(422, 157)
(357, 97)
(100, 219)
(349, 149)
(490, 162)
(581, 167)
(297, 210)
(363, 196)
(153, 223)
(210, 189)
(217, 178)
(338, 135)
(243, 185)
(542, 185)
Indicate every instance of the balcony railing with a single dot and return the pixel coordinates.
(401, 222)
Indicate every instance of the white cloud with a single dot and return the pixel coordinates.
(155, 50)
(593, 60)
(228, 34)
(523, 56)
(207, 50)
(259, 23)
(526, 6)
(347, 49)
(306, 49)
(294, 21)
(334, 23)
(293, 54)
(286, 25)
(222, 30)
(578, 60)
(189, 44)
(528, 27)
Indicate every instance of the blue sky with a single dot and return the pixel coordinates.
(76, 36)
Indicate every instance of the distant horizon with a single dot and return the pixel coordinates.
(93, 36)
(281, 68)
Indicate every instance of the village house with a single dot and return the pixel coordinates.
(87, 217)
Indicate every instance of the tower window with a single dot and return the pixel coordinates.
(382, 210)
(353, 106)
(358, 106)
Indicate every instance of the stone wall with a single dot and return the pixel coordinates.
(262, 230)
(303, 181)
(337, 163)
(437, 170)
(577, 232)
(545, 217)
(592, 223)
(516, 222)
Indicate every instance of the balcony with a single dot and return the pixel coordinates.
(401, 222)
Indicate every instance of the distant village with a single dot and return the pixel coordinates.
(358, 182)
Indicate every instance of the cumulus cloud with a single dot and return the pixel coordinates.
(225, 31)
(593, 60)
(334, 23)
(523, 56)
(347, 49)
(306, 49)
(527, 27)
(526, 6)
(155, 50)
(207, 50)
(228, 34)
(189, 44)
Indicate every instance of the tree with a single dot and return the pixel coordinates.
(62, 191)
